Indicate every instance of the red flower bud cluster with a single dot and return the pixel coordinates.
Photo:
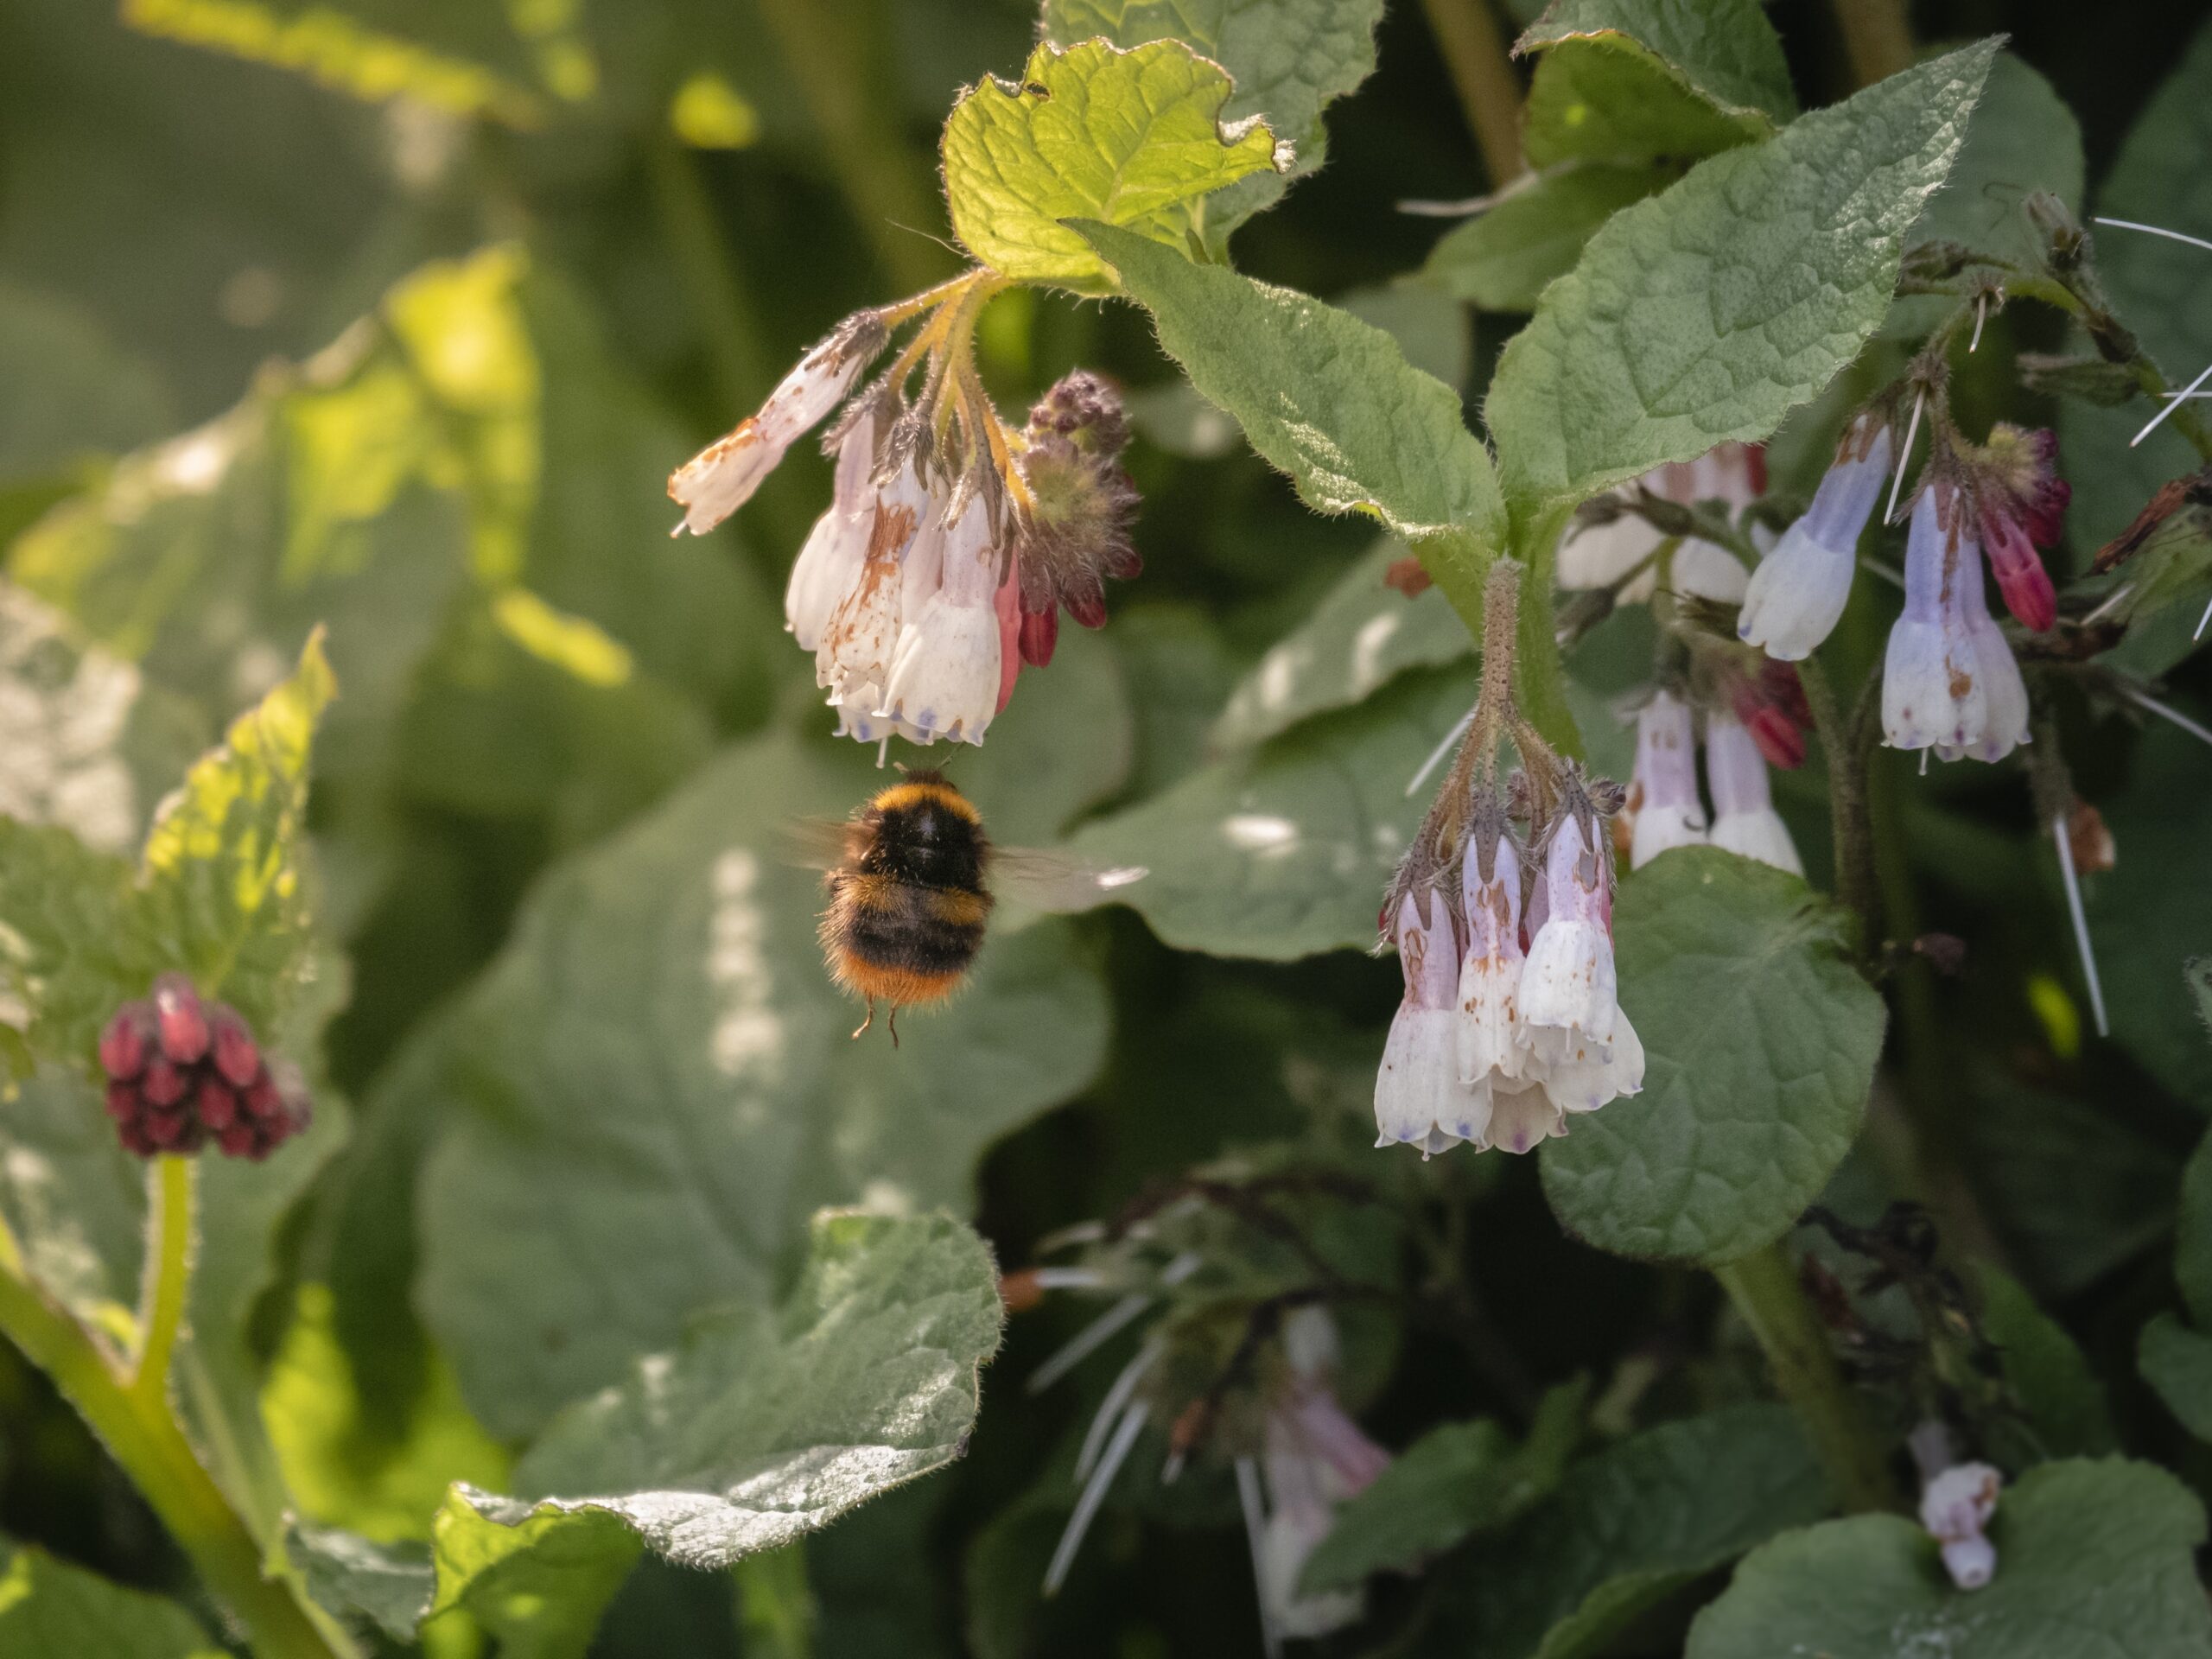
(182, 1072)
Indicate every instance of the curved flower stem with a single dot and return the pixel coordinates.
(2081, 294)
(168, 1275)
(1474, 53)
(1765, 1288)
(137, 1426)
(1851, 829)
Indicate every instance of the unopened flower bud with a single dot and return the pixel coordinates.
(126, 1043)
(181, 1019)
(1076, 531)
(228, 1089)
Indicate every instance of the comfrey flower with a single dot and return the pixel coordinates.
(1949, 681)
(952, 541)
(1744, 820)
(1607, 555)
(1800, 588)
(1499, 1039)
(1955, 1507)
(1932, 692)
(1663, 796)
(2021, 503)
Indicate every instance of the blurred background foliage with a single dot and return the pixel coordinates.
(396, 314)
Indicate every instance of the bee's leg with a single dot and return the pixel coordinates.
(894, 1023)
(862, 1027)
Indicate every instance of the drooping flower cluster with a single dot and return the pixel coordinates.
(952, 541)
(1799, 590)
(1618, 551)
(182, 1072)
(1664, 807)
(1511, 1018)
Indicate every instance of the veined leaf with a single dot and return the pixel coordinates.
(1724, 52)
(2091, 1557)
(1707, 312)
(1288, 58)
(1760, 1040)
(1132, 139)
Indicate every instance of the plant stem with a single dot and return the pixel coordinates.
(834, 50)
(1876, 38)
(2081, 294)
(1765, 1288)
(140, 1434)
(1849, 825)
(1482, 74)
(169, 1276)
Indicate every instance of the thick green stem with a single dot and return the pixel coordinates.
(1473, 48)
(169, 1276)
(1765, 1288)
(835, 51)
(142, 1435)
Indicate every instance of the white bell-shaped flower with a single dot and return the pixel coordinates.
(1663, 787)
(945, 673)
(2003, 693)
(1744, 820)
(830, 561)
(1932, 690)
(1799, 590)
(1418, 1099)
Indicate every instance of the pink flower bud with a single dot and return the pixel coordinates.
(180, 1018)
(126, 1042)
(164, 1084)
(219, 1106)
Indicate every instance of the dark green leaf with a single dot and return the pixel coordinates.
(1760, 1039)
(1723, 50)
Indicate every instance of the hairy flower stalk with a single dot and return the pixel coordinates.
(951, 543)
(1799, 590)
(1510, 1019)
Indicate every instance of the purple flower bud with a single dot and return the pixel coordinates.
(180, 1018)
(128, 1040)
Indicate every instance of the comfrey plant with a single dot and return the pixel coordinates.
(1507, 1026)
(952, 542)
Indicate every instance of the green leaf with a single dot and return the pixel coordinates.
(653, 1084)
(1633, 1524)
(1724, 51)
(1282, 851)
(391, 1584)
(2091, 1557)
(2022, 138)
(2144, 924)
(225, 894)
(1588, 103)
(1092, 132)
(1289, 59)
(1454, 1482)
(2067, 1412)
(2158, 288)
(537, 1586)
(1361, 637)
(50, 1609)
(1708, 311)
(768, 1423)
(1760, 1040)
(72, 940)
(2176, 1360)
(1503, 259)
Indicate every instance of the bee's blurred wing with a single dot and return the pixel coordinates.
(1058, 882)
(817, 843)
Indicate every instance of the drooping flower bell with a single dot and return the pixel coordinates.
(1571, 1015)
(1800, 588)
(952, 541)
(1932, 691)
(1419, 1100)
(2004, 694)
(1663, 790)
(1743, 819)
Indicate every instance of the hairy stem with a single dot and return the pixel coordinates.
(1482, 74)
(834, 49)
(142, 1437)
(1849, 825)
(1765, 1288)
(2081, 294)
(1876, 38)
(169, 1276)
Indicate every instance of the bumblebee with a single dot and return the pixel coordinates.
(909, 898)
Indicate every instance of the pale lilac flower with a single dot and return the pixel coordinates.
(1571, 1018)
(1490, 1049)
(1663, 790)
(721, 479)
(1597, 556)
(1743, 819)
(945, 672)
(1799, 590)
(1419, 1100)
(1315, 1458)
(2005, 694)
(1932, 691)
(1955, 1507)
(828, 564)
(852, 660)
